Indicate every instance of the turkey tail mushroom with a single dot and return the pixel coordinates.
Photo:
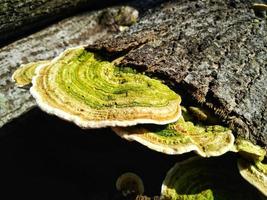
(181, 137)
(92, 93)
(24, 74)
(250, 165)
(254, 173)
(249, 151)
(200, 178)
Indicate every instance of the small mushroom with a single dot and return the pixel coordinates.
(198, 113)
(92, 93)
(254, 173)
(181, 137)
(130, 184)
(200, 178)
(23, 75)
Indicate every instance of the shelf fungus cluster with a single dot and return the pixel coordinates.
(81, 87)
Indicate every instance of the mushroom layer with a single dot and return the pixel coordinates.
(24, 74)
(181, 137)
(78, 87)
(249, 151)
(214, 178)
(255, 174)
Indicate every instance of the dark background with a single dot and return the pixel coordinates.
(43, 157)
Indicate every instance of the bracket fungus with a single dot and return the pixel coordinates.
(79, 87)
(181, 137)
(255, 173)
(24, 74)
(199, 178)
(249, 151)
(250, 165)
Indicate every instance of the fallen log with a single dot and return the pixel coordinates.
(21, 17)
(212, 52)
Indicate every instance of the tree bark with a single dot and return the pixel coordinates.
(213, 53)
(19, 17)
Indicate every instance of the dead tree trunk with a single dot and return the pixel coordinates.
(212, 52)
(18, 17)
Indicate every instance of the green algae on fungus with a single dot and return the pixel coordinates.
(207, 179)
(255, 173)
(24, 74)
(249, 151)
(181, 137)
(78, 87)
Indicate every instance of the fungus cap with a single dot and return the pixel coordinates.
(255, 174)
(24, 74)
(181, 137)
(79, 87)
(249, 151)
(200, 178)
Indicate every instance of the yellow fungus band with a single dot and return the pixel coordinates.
(24, 74)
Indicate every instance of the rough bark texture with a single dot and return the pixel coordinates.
(46, 44)
(213, 51)
(18, 17)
